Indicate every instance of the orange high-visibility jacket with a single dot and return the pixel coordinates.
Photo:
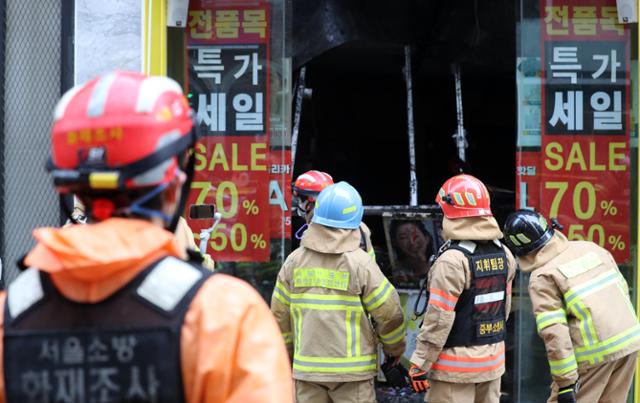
(230, 345)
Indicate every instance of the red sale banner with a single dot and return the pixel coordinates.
(584, 184)
(229, 90)
(234, 176)
(585, 178)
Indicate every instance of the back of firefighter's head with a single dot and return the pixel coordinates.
(306, 189)
(526, 231)
(339, 206)
(463, 196)
(119, 143)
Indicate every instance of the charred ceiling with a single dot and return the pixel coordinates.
(442, 32)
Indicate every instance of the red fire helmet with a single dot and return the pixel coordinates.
(119, 131)
(311, 183)
(464, 196)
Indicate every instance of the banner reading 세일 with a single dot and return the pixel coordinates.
(581, 171)
(228, 48)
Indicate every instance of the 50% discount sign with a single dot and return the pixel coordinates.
(591, 215)
(242, 234)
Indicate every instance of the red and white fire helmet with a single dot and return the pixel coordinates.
(464, 196)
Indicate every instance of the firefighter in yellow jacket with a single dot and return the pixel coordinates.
(460, 348)
(582, 309)
(334, 305)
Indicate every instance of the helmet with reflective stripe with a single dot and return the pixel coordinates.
(119, 131)
(464, 196)
(526, 231)
(339, 206)
(311, 183)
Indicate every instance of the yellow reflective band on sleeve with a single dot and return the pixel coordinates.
(372, 253)
(318, 277)
(611, 345)
(363, 363)
(288, 337)
(563, 366)
(546, 319)
(394, 336)
(580, 265)
(379, 296)
(104, 180)
(281, 294)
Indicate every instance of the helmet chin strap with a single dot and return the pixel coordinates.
(171, 222)
(137, 206)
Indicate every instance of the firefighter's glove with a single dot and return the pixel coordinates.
(567, 394)
(419, 382)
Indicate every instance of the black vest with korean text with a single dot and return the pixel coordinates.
(123, 349)
(480, 310)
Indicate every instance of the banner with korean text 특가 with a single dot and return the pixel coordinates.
(228, 56)
(585, 166)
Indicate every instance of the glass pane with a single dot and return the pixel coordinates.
(238, 80)
(577, 143)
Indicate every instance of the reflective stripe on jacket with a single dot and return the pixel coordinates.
(334, 306)
(575, 286)
(449, 276)
(454, 363)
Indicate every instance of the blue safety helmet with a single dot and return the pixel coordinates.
(339, 206)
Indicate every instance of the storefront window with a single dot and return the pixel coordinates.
(238, 86)
(576, 157)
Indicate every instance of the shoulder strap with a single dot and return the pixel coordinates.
(25, 291)
(169, 282)
(363, 240)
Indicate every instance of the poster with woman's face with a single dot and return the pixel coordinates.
(411, 241)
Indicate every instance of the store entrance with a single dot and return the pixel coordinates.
(354, 113)
(353, 123)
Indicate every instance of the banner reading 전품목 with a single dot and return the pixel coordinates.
(585, 167)
(228, 48)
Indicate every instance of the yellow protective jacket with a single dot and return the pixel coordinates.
(449, 276)
(230, 346)
(582, 307)
(334, 305)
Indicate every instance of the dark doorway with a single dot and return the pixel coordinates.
(354, 123)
